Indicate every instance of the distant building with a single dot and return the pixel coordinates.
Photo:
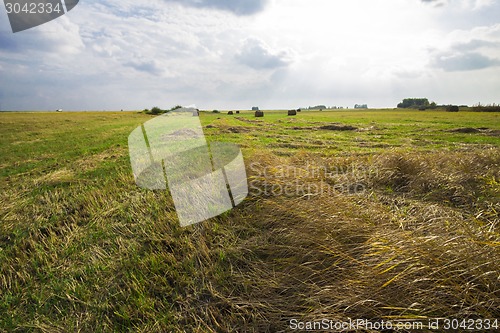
(361, 106)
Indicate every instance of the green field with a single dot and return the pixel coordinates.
(374, 214)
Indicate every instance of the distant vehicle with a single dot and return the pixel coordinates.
(59, 110)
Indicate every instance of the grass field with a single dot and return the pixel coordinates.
(377, 214)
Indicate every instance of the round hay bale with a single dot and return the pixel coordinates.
(259, 114)
(230, 113)
(237, 112)
(292, 112)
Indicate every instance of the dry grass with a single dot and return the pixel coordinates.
(379, 236)
(56, 177)
(374, 255)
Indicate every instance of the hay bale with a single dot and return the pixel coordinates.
(237, 112)
(259, 114)
(230, 113)
(299, 110)
(292, 112)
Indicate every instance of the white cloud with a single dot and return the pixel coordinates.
(123, 54)
(150, 67)
(238, 7)
(467, 50)
(477, 4)
(257, 55)
(465, 4)
(468, 61)
(60, 36)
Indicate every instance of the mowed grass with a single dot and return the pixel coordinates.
(395, 217)
(375, 129)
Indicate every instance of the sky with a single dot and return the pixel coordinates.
(236, 54)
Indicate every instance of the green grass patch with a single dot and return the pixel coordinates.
(387, 214)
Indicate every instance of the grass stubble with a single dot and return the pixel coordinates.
(405, 226)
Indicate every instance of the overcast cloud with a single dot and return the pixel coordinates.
(238, 7)
(134, 54)
(255, 54)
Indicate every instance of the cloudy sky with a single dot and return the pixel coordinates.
(135, 54)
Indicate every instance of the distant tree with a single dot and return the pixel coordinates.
(317, 107)
(452, 108)
(414, 103)
(486, 108)
(156, 110)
